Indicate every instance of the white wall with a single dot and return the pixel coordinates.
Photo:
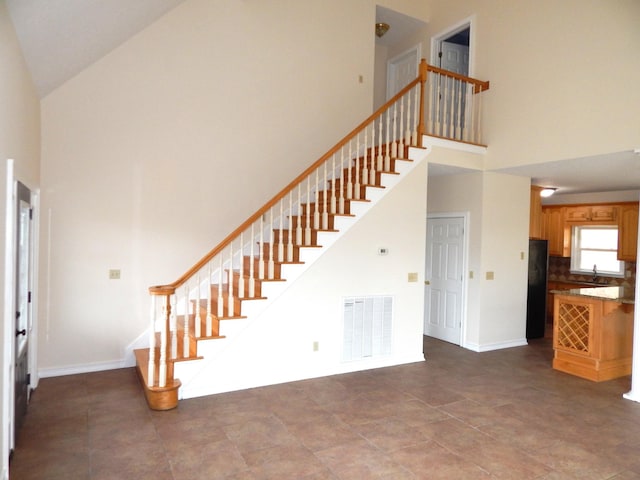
(20, 141)
(278, 346)
(498, 207)
(157, 151)
(563, 75)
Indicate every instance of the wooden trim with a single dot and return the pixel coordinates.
(479, 85)
(423, 69)
(170, 288)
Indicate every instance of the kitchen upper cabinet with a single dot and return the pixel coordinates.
(591, 213)
(535, 213)
(628, 232)
(556, 231)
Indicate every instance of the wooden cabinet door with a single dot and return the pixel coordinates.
(628, 232)
(603, 213)
(535, 214)
(578, 214)
(554, 230)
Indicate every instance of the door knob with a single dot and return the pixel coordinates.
(21, 332)
(427, 282)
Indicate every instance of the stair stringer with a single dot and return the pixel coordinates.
(198, 377)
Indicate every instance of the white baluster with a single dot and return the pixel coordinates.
(356, 186)
(430, 104)
(342, 187)
(365, 165)
(299, 225)
(220, 285)
(394, 144)
(280, 236)
(209, 326)
(372, 169)
(452, 93)
(387, 151)
(241, 269)
(151, 370)
(416, 116)
(261, 250)
(271, 265)
(468, 113)
(307, 227)
(387, 166)
(325, 203)
(173, 326)
(290, 235)
(252, 278)
(478, 136)
(333, 186)
(316, 210)
(438, 100)
(349, 179)
(230, 308)
(162, 369)
(407, 132)
(197, 318)
(380, 157)
(187, 313)
(458, 110)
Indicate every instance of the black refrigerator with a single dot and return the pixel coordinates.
(537, 288)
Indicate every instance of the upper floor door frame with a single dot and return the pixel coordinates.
(436, 41)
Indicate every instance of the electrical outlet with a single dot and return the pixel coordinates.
(114, 274)
(489, 275)
(412, 277)
(316, 346)
(471, 274)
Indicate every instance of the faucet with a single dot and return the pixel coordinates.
(595, 274)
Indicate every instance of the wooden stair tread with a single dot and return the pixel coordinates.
(158, 398)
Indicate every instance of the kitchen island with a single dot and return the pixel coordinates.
(593, 332)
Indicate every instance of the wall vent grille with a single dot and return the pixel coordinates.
(367, 327)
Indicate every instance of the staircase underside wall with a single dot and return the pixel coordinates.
(278, 345)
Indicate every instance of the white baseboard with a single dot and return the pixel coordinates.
(487, 347)
(88, 368)
(632, 395)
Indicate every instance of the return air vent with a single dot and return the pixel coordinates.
(367, 327)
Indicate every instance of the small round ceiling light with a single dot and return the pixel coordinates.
(381, 29)
(547, 191)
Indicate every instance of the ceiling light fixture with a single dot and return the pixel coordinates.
(547, 191)
(381, 29)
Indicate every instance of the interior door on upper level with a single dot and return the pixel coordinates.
(401, 70)
(444, 282)
(454, 57)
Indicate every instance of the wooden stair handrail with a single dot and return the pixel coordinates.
(479, 85)
(169, 289)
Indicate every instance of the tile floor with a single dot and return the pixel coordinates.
(460, 415)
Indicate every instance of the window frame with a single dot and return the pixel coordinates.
(576, 252)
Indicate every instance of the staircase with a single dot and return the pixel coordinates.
(214, 301)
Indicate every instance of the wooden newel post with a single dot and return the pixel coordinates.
(423, 80)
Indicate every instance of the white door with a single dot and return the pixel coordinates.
(402, 70)
(455, 58)
(444, 278)
(23, 301)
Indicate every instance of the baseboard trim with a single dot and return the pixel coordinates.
(633, 395)
(77, 369)
(487, 347)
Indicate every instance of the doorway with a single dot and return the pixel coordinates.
(452, 49)
(444, 278)
(402, 69)
(23, 312)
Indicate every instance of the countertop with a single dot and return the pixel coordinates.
(615, 294)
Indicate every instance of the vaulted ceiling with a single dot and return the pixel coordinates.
(60, 38)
